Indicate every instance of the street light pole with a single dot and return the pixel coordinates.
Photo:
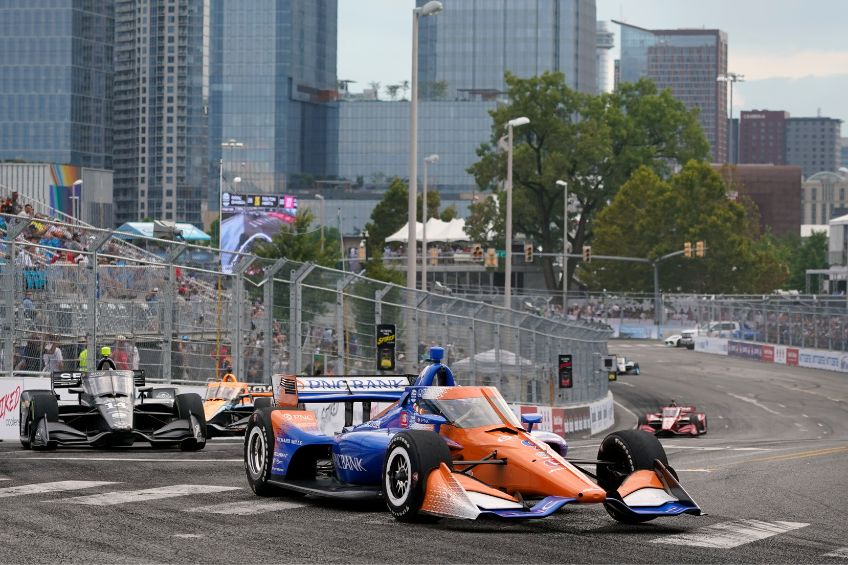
(429, 9)
(731, 79)
(564, 186)
(321, 198)
(427, 161)
(76, 193)
(508, 283)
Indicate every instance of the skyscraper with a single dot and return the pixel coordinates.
(603, 58)
(813, 144)
(763, 137)
(273, 92)
(56, 82)
(688, 61)
(161, 100)
(465, 51)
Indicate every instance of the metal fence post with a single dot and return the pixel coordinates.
(295, 295)
(168, 311)
(93, 292)
(341, 285)
(378, 304)
(268, 300)
(13, 230)
(238, 298)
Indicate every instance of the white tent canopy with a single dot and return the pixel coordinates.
(488, 362)
(437, 230)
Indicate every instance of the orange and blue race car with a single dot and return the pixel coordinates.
(443, 450)
(229, 403)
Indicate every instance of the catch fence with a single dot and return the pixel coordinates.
(167, 308)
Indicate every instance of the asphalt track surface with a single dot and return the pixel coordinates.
(772, 475)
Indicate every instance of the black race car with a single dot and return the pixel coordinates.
(113, 408)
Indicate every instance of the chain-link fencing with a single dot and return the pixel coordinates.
(167, 308)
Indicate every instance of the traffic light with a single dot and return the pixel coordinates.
(587, 253)
(700, 249)
(687, 249)
(528, 252)
(477, 252)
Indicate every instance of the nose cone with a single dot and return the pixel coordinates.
(592, 494)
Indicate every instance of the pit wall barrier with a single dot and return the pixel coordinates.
(563, 420)
(836, 361)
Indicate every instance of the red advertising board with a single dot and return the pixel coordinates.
(791, 356)
(767, 354)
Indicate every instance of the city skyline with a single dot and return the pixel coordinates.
(770, 43)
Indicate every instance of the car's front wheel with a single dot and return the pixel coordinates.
(410, 457)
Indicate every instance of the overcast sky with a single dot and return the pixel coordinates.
(793, 53)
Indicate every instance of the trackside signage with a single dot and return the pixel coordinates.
(836, 361)
(351, 384)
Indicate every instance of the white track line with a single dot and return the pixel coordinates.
(755, 402)
(841, 552)
(123, 497)
(42, 488)
(730, 534)
(626, 409)
(247, 507)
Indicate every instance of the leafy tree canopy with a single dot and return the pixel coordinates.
(651, 217)
(594, 143)
(297, 242)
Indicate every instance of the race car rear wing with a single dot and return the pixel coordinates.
(289, 390)
(70, 379)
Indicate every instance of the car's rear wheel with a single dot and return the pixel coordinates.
(627, 451)
(410, 457)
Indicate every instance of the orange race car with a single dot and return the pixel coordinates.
(229, 403)
(447, 451)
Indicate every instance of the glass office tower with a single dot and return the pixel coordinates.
(161, 100)
(56, 82)
(687, 61)
(465, 50)
(273, 94)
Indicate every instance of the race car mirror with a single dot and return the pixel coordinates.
(386, 338)
(565, 371)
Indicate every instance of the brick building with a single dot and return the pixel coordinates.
(775, 189)
(762, 137)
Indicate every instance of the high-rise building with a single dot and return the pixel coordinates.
(273, 94)
(843, 152)
(687, 61)
(763, 137)
(603, 58)
(56, 82)
(465, 51)
(813, 144)
(161, 101)
(775, 189)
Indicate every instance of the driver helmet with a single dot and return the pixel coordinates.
(106, 351)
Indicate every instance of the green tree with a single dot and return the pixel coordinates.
(296, 242)
(486, 220)
(651, 217)
(434, 202)
(388, 216)
(802, 254)
(594, 143)
(215, 232)
(449, 213)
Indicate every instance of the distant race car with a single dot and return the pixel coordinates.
(625, 366)
(674, 420)
(229, 403)
(687, 339)
(443, 450)
(113, 408)
(673, 341)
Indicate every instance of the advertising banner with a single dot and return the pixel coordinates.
(10, 397)
(386, 339)
(745, 350)
(565, 371)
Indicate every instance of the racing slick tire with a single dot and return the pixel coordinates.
(189, 407)
(627, 451)
(259, 455)
(410, 457)
(41, 406)
(636, 369)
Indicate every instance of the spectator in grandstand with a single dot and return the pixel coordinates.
(28, 306)
(28, 211)
(53, 359)
(30, 358)
(122, 355)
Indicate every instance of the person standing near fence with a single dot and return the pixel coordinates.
(122, 356)
(53, 359)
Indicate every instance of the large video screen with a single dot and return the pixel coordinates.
(247, 219)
